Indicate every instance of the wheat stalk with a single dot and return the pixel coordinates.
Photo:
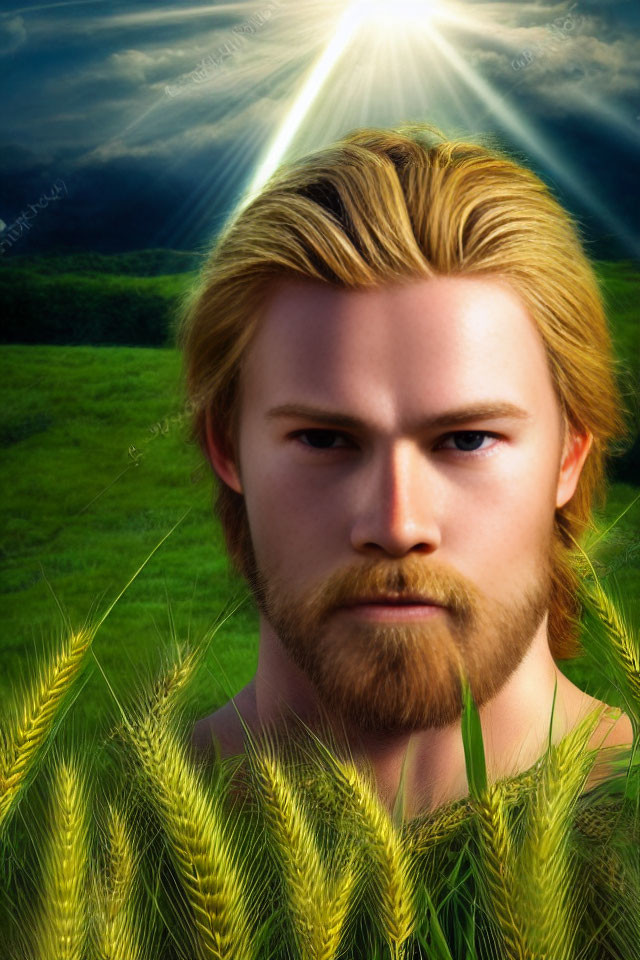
(319, 903)
(610, 875)
(193, 823)
(343, 789)
(425, 832)
(159, 701)
(116, 935)
(34, 716)
(546, 875)
(61, 928)
(598, 821)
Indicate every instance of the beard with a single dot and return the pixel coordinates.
(402, 676)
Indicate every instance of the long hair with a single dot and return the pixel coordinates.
(381, 206)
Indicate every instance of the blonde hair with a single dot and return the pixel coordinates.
(381, 206)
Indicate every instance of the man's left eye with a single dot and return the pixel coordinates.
(468, 440)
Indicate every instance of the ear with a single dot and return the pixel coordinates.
(574, 454)
(221, 462)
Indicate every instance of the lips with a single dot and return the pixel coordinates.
(397, 600)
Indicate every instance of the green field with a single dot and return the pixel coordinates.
(79, 515)
(97, 469)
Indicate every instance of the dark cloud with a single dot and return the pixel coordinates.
(156, 115)
(13, 34)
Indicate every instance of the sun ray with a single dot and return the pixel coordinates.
(343, 34)
(382, 13)
(404, 25)
(535, 142)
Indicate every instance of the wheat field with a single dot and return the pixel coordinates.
(288, 851)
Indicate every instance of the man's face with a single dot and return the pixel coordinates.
(421, 496)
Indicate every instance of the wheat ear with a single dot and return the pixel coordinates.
(116, 934)
(426, 831)
(624, 647)
(498, 867)
(394, 880)
(318, 902)
(193, 822)
(626, 651)
(62, 926)
(546, 876)
(171, 684)
(34, 716)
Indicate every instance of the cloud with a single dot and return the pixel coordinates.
(131, 65)
(179, 62)
(555, 63)
(136, 68)
(615, 66)
(150, 94)
(13, 34)
(197, 137)
(128, 68)
(151, 17)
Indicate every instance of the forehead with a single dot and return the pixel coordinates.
(425, 343)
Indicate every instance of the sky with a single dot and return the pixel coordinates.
(132, 125)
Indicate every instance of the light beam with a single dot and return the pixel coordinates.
(384, 13)
(347, 26)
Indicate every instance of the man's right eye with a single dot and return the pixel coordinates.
(320, 440)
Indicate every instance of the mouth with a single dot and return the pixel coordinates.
(398, 600)
(394, 607)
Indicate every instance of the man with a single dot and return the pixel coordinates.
(407, 403)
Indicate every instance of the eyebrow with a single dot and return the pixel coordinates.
(486, 410)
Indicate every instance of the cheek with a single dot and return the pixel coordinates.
(501, 520)
(289, 517)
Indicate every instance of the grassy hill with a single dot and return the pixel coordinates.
(136, 263)
(130, 298)
(95, 298)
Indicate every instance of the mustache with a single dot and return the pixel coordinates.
(408, 576)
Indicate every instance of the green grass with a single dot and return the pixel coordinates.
(78, 509)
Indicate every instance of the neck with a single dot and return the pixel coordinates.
(515, 726)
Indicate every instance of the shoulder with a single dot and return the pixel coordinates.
(224, 727)
(614, 729)
(612, 736)
(219, 727)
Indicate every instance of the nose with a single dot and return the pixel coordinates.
(397, 504)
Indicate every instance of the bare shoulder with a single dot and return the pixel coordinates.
(221, 726)
(614, 730)
(225, 726)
